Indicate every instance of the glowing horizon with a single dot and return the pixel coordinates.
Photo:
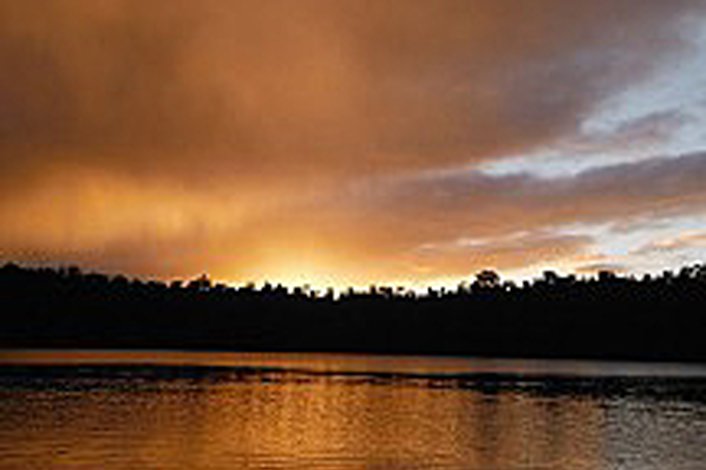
(353, 143)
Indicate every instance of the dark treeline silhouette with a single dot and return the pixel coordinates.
(604, 317)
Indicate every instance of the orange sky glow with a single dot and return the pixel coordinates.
(352, 142)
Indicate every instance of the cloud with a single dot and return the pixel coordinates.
(593, 146)
(686, 240)
(399, 228)
(248, 139)
(366, 231)
(482, 205)
(519, 250)
(632, 135)
(243, 91)
(593, 269)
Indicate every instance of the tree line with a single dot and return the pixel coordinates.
(607, 316)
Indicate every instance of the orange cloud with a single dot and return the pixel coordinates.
(287, 139)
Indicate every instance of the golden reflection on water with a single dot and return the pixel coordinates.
(328, 421)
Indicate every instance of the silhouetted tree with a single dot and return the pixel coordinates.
(200, 284)
(606, 316)
(487, 279)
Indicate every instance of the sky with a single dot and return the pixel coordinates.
(353, 142)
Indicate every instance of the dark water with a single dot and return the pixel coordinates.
(168, 410)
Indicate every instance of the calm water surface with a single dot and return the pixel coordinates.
(185, 410)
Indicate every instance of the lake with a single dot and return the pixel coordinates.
(139, 409)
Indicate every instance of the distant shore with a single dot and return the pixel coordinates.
(608, 317)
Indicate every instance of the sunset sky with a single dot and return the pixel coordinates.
(352, 141)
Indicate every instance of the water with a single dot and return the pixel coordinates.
(185, 410)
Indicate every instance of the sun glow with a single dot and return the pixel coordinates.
(299, 267)
(303, 275)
